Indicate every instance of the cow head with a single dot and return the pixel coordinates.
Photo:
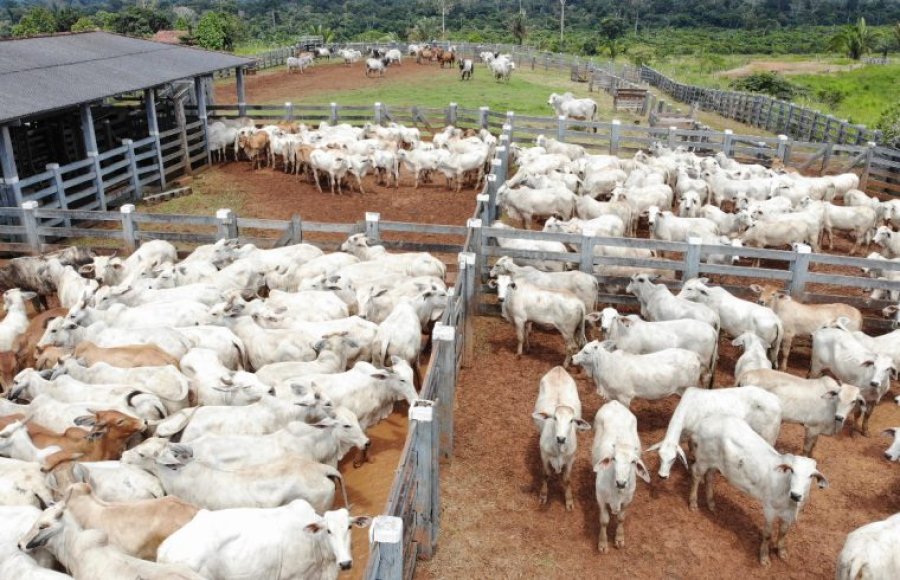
(561, 425)
(668, 453)
(335, 527)
(49, 524)
(626, 461)
(801, 471)
(844, 399)
(881, 371)
(768, 294)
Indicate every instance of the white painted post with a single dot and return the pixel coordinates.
(373, 231)
(427, 473)
(227, 226)
(586, 257)
(200, 93)
(90, 146)
(799, 270)
(691, 259)
(239, 86)
(510, 119)
(8, 165)
(387, 532)
(728, 142)
(128, 227)
(133, 167)
(333, 119)
(288, 111)
(153, 130)
(561, 128)
(782, 147)
(378, 119)
(483, 116)
(466, 261)
(444, 339)
(614, 129)
(31, 226)
(452, 112)
(672, 137)
(870, 154)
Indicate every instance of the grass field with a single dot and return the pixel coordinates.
(867, 89)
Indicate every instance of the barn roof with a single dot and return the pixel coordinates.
(49, 73)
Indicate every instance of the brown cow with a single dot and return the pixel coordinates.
(50, 357)
(107, 439)
(26, 343)
(126, 357)
(256, 146)
(137, 527)
(448, 58)
(8, 370)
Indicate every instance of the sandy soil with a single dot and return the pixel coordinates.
(494, 527)
(787, 68)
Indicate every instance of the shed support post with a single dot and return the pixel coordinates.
(466, 261)
(60, 189)
(799, 270)
(153, 130)
(427, 474)
(387, 532)
(239, 85)
(90, 146)
(226, 229)
(444, 339)
(182, 127)
(373, 231)
(10, 173)
(128, 227)
(133, 168)
(691, 259)
(29, 220)
(200, 93)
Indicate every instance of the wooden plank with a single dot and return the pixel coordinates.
(176, 236)
(60, 232)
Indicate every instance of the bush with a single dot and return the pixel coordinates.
(832, 97)
(889, 125)
(768, 83)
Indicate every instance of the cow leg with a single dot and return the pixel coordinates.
(866, 415)
(359, 183)
(809, 442)
(603, 541)
(520, 335)
(567, 486)
(316, 177)
(620, 529)
(781, 545)
(786, 349)
(545, 483)
(764, 545)
(710, 490)
(695, 487)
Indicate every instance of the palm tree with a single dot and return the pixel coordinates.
(519, 27)
(326, 33)
(854, 40)
(425, 30)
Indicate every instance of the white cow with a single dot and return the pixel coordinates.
(871, 552)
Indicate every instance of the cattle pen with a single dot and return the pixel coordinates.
(410, 524)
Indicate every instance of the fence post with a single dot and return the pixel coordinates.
(452, 111)
(153, 130)
(614, 128)
(227, 227)
(787, 124)
(484, 199)
(799, 270)
(561, 128)
(466, 261)
(691, 259)
(870, 153)
(333, 119)
(132, 163)
(387, 532)
(373, 231)
(296, 229)
(511, 121)
(378, 119)
(483, 117)
(60, 190)
(444, 337)
(128, 227)
(288, 111)
(422, 412)
(182, 127)
(492, 187)
(586, 255)
(200, 94)
(31, 226)
(671, 137)
(239, 86)
(782, 147)
(728, 142)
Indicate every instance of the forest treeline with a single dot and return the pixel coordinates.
(675, 27)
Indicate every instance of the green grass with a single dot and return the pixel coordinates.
(255, 47)
(210, 192)
(869, 90)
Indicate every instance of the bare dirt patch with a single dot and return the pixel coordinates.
(492, 519)
(787, 68)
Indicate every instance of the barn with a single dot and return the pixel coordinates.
(88, 120)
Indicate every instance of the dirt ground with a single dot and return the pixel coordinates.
(787, 68)
(274, 194)
(276, 85)
(492, 519)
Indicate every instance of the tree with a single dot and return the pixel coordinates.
(327, 34)
(897, 34)
(138, 21)
(38, 20)
(425, 30)
(519, 27)
(562, 21)
(854, 40)
(217, 31)
(612, 29)
(84, 24)
(889, 125)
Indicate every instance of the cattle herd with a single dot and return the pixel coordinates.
(179, 425)
(672, 347)
(338, 153)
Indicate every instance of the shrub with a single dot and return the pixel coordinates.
(889, 125)
(768, 83)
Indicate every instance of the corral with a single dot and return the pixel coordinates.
(486, 512)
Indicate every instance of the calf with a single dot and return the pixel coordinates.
(523, 303)
(256, 147)
(581, 284)
(754, 356)
(781, 482)
(466, 69)
(557, 416)
(658, 303)
(131, 356)
(803, 319)
(616, 457)
(621, 376)
(107, 439)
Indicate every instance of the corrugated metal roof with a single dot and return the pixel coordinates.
(48, 73)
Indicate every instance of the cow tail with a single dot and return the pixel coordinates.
(594, 117)
(335, 476)
(581, 328)
(776, 347)
(242, 355)
(713, 364)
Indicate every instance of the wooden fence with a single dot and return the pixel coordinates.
(765, 112)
